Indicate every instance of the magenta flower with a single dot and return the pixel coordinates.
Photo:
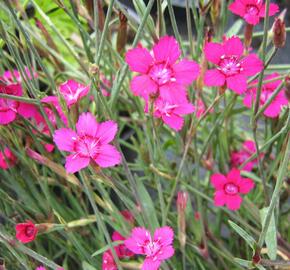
(172, 112)
(89, 142)
(252, 10)
(275, 107)
(10, 108)
(108, 262)
(7, 158)
(121, 250)
(240, 156)
(232, 69)
(40, 268)
(53, 102)
(160, 73)
(10, 77)
(156, 250)
(73, 91)
(228, 189)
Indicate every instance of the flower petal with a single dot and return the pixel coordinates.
(273, 9)
(108, 156)
(213, 52)
(150, 264)
(237, 7)
(7, 117)
(139, 60)
(173, 92)
(143, 86)
(173, 121)
(185, 71)
(87, 125)
(218, 181)
(251, 65)
(165, 253)
(65, 139)
(234, 176)
(106, 131)
(166, 50)
(165, 235)
(234, 46)
(246, 185)
(237, 83)
(75, 163)
(27, 110)
(137, 240)
(233, 202)
(219, 198)
(213, 77)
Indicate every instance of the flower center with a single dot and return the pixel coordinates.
(164, 107)
(29, 231)
(252, 10)
(230, 65)
(161, 74)
(152, 248)
(87, 146)
(231, 189)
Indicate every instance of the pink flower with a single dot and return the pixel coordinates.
(26, 232)
(228, 188)
(89, 142)
(252, 10)
(73, 91)
(10, 77)
(232, 69)
(10, 108)
(7, 158)
(121, 250)
(40, 124)
(274, 109)
(40, 268)
(239, 157)
(128, 216)
(171, 111)
(108, 262)
(156, 250)
(160, 73)
(53, 101)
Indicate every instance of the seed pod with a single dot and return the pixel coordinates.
(279, 33)
(122, 33)
(287, 86)
(248, 35)
(181, 202)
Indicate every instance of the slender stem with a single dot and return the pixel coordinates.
(276, 192)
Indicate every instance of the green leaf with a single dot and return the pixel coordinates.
(235, 29)
(271, 234)
(244, 263)
(147, 204)
(248, 238)
(87, 266)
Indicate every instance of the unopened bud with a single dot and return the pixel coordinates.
(287, 86)
(181, 202)
(248, 35)
(279, 33)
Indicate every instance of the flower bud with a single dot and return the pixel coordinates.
(248, 35)
(181, 202)
(279, 33)
(287, 86)
(182, 198)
